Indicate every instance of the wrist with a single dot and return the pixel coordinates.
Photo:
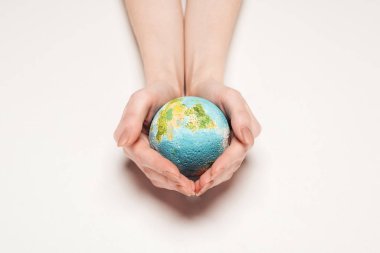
(168, 88)
(198, 84)
(203, 74)
(168, 77)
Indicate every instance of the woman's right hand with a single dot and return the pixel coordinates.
(245, 128)
(132, 135)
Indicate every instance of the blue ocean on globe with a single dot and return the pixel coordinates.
(191, 132)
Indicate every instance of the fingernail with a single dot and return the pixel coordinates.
(123, 139)
(247, 135)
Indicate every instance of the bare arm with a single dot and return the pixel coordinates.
(208, 30)
(158, 28)
(209, 26)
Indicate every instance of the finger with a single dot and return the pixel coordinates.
(256, 125)
(227, 173)
(197, 187)
(233, 154)
(205, 188)
(161, 181)
(238, 111)
(224, 176)
(131, 123)
(206, 177)
(223, 168)
(144, 155)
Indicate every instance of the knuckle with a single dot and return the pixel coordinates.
(143, 94)
(230, 92)
(129, 119)
(127, 126)
(217, 170)
(203, 180)
(167, 181)
(155, 183)
(132, 152)
(137, 158)
(229, 175)
(236, 165)
(128, 145)
(137, 94)
(147, 171)
(127, 152)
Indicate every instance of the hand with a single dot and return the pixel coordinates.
(131, 134)
(245, 128)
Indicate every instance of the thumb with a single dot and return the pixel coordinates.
(131, 123)
(242, 121)
(242, 127)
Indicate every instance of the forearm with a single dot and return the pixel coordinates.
(209, 26)
(158, 28)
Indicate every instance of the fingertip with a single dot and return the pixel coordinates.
(189, 183)
(180, 188)
(133, 118)
(247, 136)
(242, 128)
(205, 188)
(257, 130)
(131, 135)
(119, 131)
(204, 179)
(115, 136)
(192, 185)
(122, 139)
(196, 186)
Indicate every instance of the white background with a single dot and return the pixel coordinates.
(310, 71)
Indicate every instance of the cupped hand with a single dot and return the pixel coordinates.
(131, 134)
(245, 128)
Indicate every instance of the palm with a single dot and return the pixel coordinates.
(131, 135)
(245, 128)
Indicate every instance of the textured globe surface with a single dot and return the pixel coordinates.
(191, 132)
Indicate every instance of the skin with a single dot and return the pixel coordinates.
(158, 29)
(209, 26)
(184, 55)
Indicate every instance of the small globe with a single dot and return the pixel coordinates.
(191, 132)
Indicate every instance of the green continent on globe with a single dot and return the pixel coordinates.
(173, 114)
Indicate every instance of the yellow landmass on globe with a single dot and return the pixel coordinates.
(173, 115)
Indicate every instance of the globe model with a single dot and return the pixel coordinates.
(191, 132)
